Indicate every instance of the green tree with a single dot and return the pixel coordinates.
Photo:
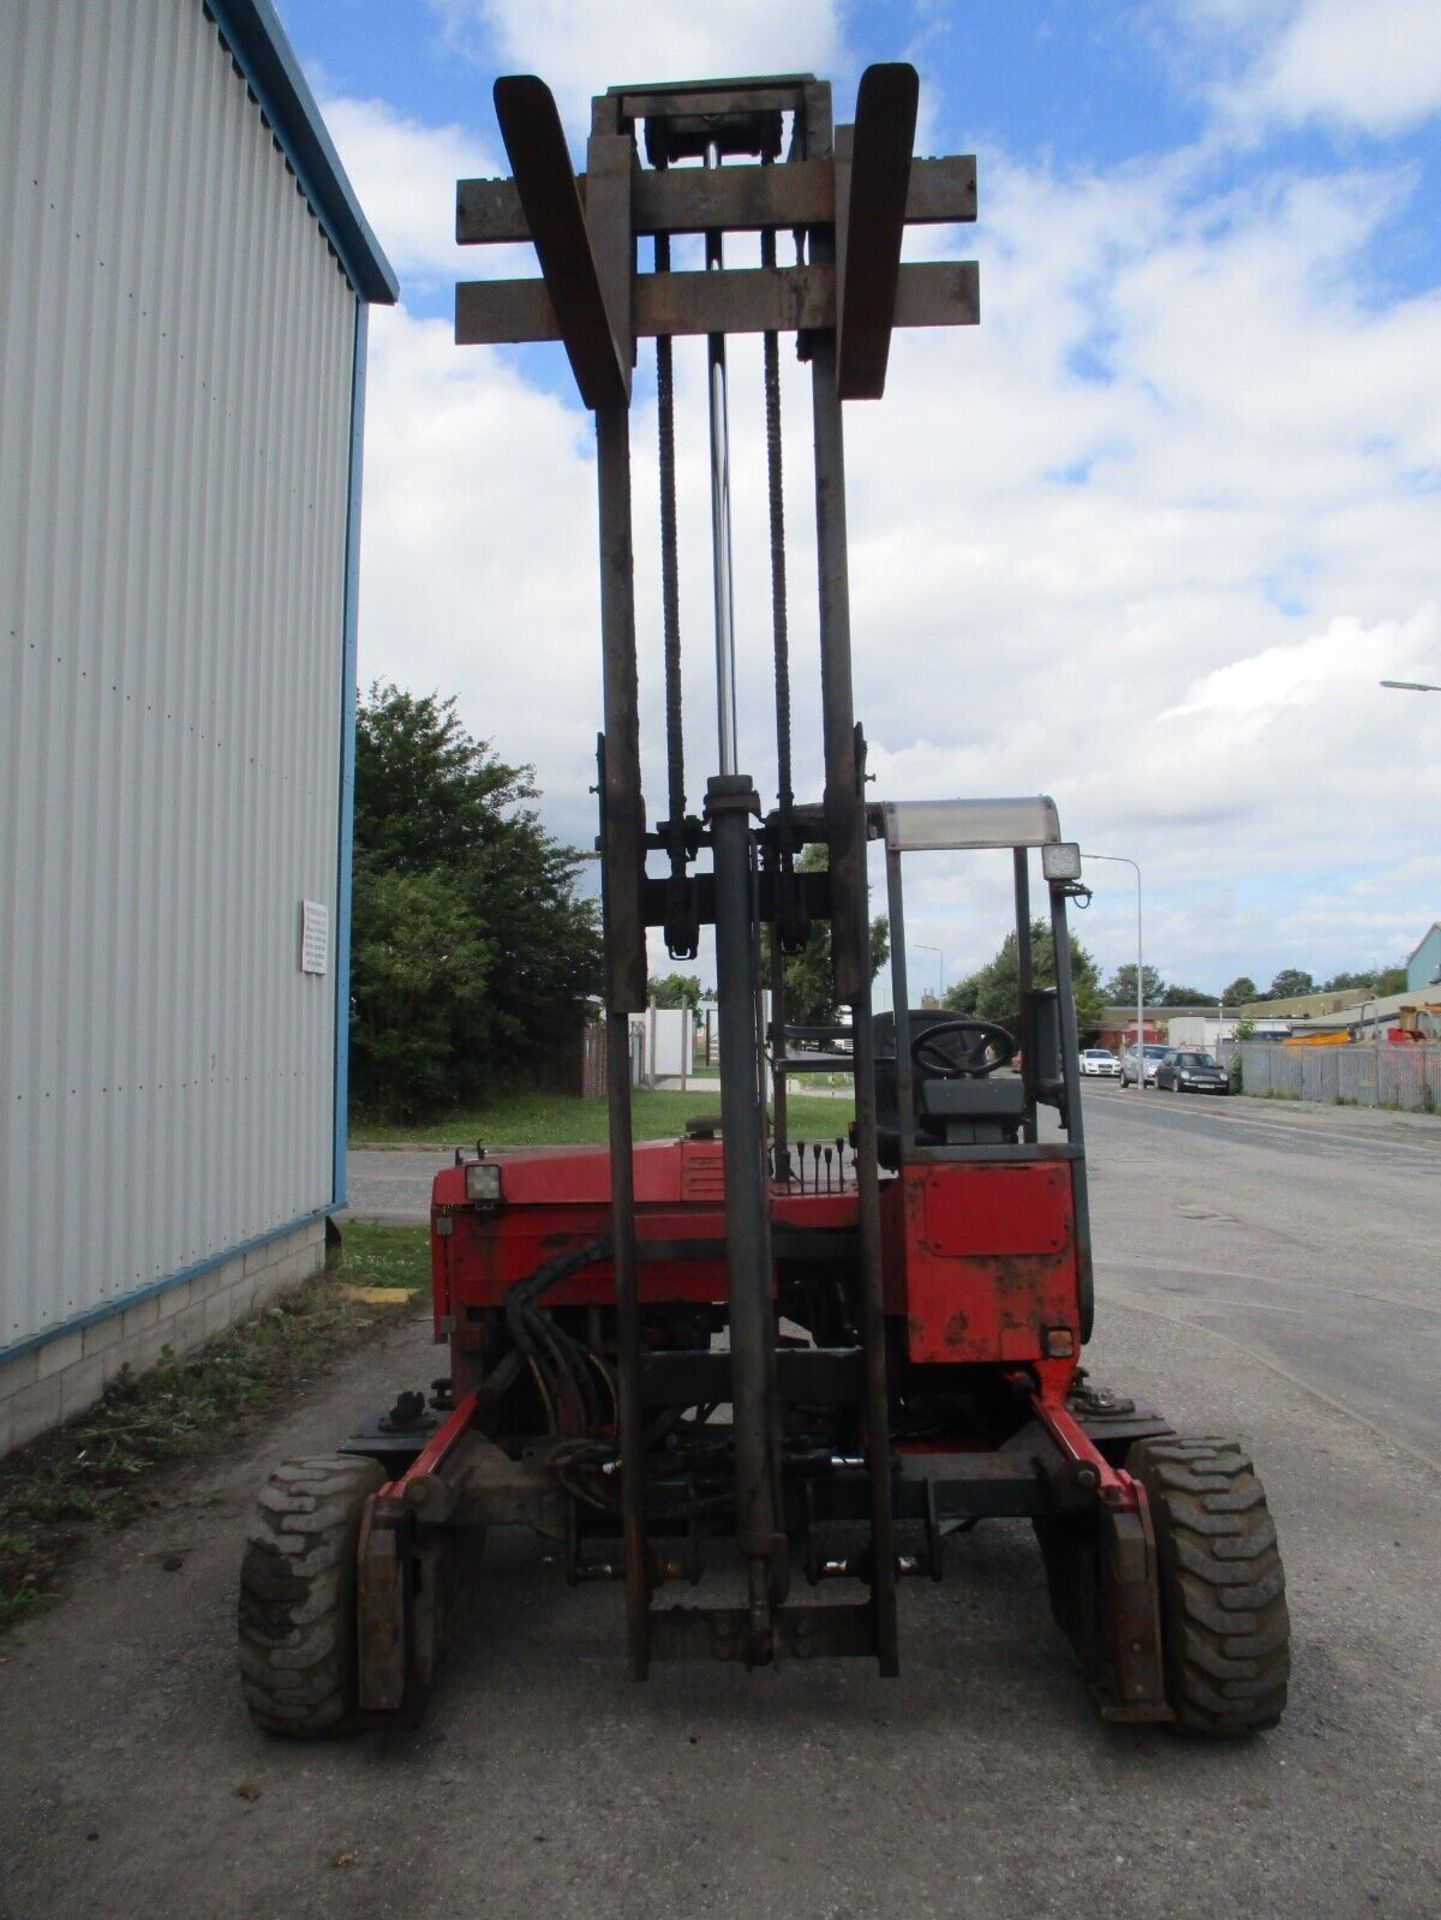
(1381, 980)
(1172, 996)
(1241, 992)
(993, 992)
(675, 990)
(418, 970)
(1120, 989)
(426, 793)
(472, 956)
(1290, 983)
(809, 982)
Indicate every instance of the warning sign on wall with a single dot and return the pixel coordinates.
(314, 936)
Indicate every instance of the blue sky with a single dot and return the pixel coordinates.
(1146, 539)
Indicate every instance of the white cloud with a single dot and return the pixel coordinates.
(478, 551)
(1311, 676)
(1374, 67)
(580, 47)
(404, 174)
(1145, 539)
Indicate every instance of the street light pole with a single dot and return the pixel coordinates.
(940, 967)
(1123, 860)
(1410, 686)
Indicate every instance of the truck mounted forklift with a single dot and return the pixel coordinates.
(785, 1373)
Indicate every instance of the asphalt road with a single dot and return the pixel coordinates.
(1307, 1235)
(978, 1786)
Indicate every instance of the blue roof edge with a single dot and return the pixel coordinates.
(258, 43)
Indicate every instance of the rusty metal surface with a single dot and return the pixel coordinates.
(1071, 1113)
(607, 222)
(1132, 1682)
(1021, 881)
(380, 1614)
(627, 1328)
(622, 802)
(844, 814)
(813, 894)
(943, 293)
(738, 199)
(707, 100)
(800, 1633)
(436, 1611)
(873, 1331)
(729, 802)
(901, 997)
(1102, 1569)
(482, 1486)
(585, 240)
(536, 146)
(870, 225)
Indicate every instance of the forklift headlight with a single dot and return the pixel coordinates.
(1061, 860)
(482, 1180)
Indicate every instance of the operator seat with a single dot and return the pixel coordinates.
(960, 1112)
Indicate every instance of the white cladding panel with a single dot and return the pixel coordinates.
(176, 363)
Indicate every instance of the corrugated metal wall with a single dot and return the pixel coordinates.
(176, 348)
(1408, 1077)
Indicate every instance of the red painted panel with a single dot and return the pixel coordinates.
(555, 1200)
(998, 1209)
(980, 1260)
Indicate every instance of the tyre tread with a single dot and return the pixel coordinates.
(1225, 1625)
(296, 1625)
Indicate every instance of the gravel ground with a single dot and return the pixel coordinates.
(978, 1784)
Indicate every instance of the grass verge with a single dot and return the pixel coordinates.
(565, 1120)
(102, 1467)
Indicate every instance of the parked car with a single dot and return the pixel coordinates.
(1100, 1060)
(1155, 1054)
(1183, 1071)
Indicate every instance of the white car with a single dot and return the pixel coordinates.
(1100, 1060)
(1155, 1054)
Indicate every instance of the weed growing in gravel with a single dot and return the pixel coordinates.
(101, 1466)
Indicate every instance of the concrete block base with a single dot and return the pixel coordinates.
(54, 1382)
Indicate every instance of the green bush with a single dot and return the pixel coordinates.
(472, 956)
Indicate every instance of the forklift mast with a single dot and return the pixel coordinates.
(897, 1341)
(721, 159)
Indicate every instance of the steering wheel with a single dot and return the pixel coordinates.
(968, 1056)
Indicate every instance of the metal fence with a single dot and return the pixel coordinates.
(594, 1068)
(1359, 1076)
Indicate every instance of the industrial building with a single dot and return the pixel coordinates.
(182, 347)
(1423, 965)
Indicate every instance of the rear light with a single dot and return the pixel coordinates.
(482, 1181)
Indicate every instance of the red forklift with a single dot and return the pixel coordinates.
(783, 1373)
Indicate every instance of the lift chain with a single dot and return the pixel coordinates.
(791, 927)
(682, 923)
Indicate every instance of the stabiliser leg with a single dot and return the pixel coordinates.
(623, 868)
(873, 1333)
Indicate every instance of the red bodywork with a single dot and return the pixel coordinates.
(980, 1271)
(979, 1260)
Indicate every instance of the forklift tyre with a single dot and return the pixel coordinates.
(297, 1596)
(1224, 1625)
